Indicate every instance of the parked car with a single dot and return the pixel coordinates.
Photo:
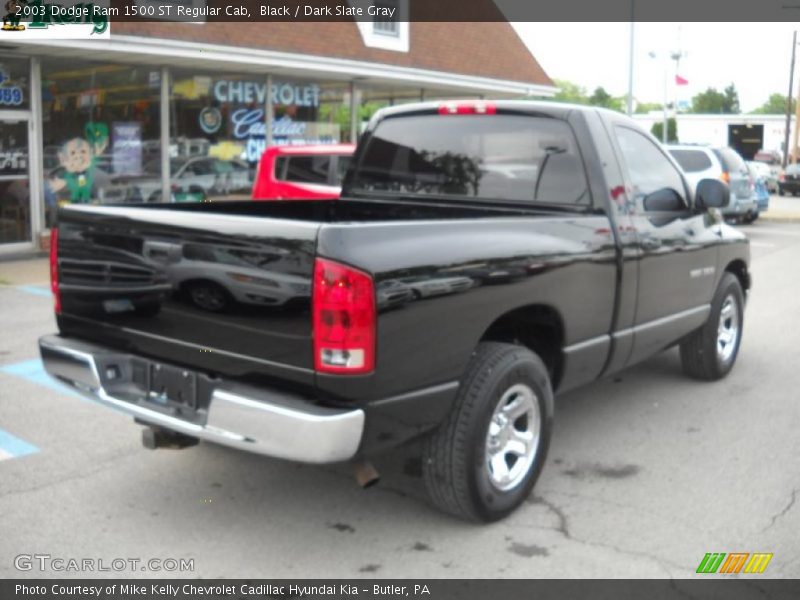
(769, 174)
(622, 263)
(772, 161)
(196, 178)
(725, 164)
(302, 172)
(760, 183)
(789, 181)
(216, 278)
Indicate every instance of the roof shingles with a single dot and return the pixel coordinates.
(482, 49)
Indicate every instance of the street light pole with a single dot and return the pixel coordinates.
(630, 62)
(789, 97)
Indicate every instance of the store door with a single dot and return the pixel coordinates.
(15, 195)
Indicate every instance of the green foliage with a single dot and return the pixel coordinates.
(643, 108)
(570, 92)
(340, 114)
(713, 101)
(672, 130)
(600, 97)
(775, 105)
(575, 94)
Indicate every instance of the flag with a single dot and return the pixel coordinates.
(680, 80)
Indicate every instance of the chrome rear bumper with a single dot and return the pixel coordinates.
(253, 419)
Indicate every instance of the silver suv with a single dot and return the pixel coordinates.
(725, 164)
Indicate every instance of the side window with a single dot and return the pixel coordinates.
(657, 184)
(308, 169)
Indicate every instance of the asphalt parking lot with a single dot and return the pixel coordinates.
(648, 471)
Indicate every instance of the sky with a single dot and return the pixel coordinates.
(754, 56)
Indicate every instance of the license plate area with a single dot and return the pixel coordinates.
(172, 387)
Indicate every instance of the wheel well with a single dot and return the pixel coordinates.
(537, 327)
(739, 269)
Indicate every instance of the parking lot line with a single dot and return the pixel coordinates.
(36, 290)
(33, 371)
(13, 447)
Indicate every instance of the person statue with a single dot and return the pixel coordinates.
(78, 156)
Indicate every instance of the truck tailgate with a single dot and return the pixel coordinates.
(222, 292)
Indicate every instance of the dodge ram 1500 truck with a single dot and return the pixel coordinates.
(483, 257)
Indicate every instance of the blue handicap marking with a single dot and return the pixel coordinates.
(13, 447)
(36, 290)
(33, 371)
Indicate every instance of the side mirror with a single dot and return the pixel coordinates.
(712, 193)
(663, 200)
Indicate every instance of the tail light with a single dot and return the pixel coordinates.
(343, 306)
(782, 177)
(54, 269)
(467, 108)
(726, 177)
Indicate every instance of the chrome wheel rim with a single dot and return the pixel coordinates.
(728, 328)
(513, 437)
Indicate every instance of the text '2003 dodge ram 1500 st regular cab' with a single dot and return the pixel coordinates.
(483, 256)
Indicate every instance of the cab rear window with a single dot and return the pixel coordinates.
(483, 157)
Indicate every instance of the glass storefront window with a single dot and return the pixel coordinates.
(14, 83)
(100, 129)
(15, 203)
(218, 129)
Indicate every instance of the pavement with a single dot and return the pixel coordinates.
(648, 471)
(784, 209)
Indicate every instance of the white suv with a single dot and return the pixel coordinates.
(725, 164)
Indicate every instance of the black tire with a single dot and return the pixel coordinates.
(781, 191)
(703, 356)
(750, 217)
(208, 295)
(455, 468)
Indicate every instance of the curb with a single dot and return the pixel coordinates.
(790, 218)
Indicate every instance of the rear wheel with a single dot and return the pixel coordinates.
(483, 461)
(710, 352)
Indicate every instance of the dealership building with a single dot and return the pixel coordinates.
(183, 110)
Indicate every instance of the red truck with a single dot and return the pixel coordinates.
(302, 172)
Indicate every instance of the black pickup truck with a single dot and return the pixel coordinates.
(482, 258)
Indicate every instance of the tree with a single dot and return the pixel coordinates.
(600, 97)
(672, 130)
(570, 92)
(714, 101)
(732, 99)
(642, 108)
(775, 105)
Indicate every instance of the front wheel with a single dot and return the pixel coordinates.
(710, 352)
(484, 459)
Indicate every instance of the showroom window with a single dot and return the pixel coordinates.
(101, 133)
(218, 128)
(15, 204)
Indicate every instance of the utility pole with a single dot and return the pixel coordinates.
(796, 129)
(630, 61)
(789, 97)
